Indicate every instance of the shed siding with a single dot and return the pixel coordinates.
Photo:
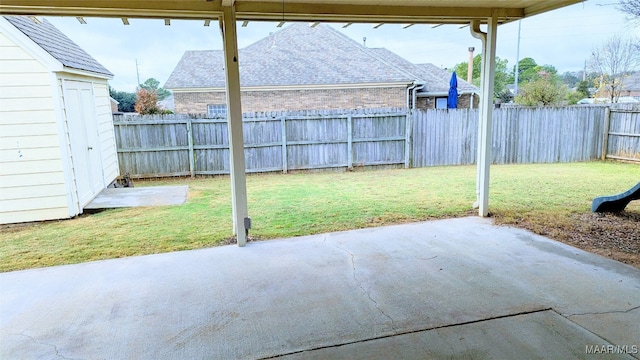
(31, 175)
(106, 132)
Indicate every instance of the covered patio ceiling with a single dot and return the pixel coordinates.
(472, 13)
(389, 11)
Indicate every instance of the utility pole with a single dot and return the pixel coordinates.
(515, 90)
(137, 74)
(470, 65)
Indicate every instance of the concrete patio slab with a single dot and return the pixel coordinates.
(407, 288)
(539, 335)
(144, 196)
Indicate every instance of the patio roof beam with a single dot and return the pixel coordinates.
(370, 14)
(261, 10)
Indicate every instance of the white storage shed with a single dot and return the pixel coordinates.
(57, 143)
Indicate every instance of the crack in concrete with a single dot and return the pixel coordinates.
(55, 348)
(605, 312)
(526, 312)
(366, 291)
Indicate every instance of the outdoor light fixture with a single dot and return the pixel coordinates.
(207, 22)
(167, 22)
(81, 20)
(125, 21)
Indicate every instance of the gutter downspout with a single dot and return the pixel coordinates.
(482, 36)
(416, 88)
(409, 96)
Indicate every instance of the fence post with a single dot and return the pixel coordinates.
(350, 142)
(407, 145)
(192, 160)
(283, 122)
(605, 132)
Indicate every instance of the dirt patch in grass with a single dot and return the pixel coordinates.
(614, 235)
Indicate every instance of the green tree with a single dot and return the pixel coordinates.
(152, 85)
(570, 78)
(529, 70)
(572, 97)
(544, 91)
(501, 78)
(126, 101)
(583, 88)
(526, 70)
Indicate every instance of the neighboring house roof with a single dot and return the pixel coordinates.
(440, 79)
(296, 55)
(302, 55)
(632, 83)
(58, 45)
(435, 79)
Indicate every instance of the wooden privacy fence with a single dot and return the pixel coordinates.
(621, 135)
(519, 135)
(178, 145)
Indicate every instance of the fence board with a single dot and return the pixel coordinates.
(624, 134)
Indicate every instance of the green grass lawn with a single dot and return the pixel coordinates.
(310, 203)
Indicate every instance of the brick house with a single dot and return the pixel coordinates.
(311, 68)
(631, 86)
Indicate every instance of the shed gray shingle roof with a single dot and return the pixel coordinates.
(302, 55)
(58, 45)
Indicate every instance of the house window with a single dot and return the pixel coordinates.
(441, 103)
(217, 111)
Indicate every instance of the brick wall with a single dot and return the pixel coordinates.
(323, 99)
(196, 102)
(463, 102)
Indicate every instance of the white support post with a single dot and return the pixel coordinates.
(234, 119)
(474, 26)
(484, 146)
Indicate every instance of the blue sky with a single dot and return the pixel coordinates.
(563, 38)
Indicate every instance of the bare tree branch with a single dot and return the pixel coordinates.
(631, 7)
(613, 62)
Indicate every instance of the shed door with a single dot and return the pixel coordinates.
(83, 136)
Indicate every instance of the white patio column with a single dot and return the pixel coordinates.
(486, 113)
(234, 119)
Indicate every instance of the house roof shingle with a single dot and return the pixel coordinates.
(302, 55)
(58, 45)
(632, 82)
(434, 78)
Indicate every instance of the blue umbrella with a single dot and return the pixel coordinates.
(452, 100)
